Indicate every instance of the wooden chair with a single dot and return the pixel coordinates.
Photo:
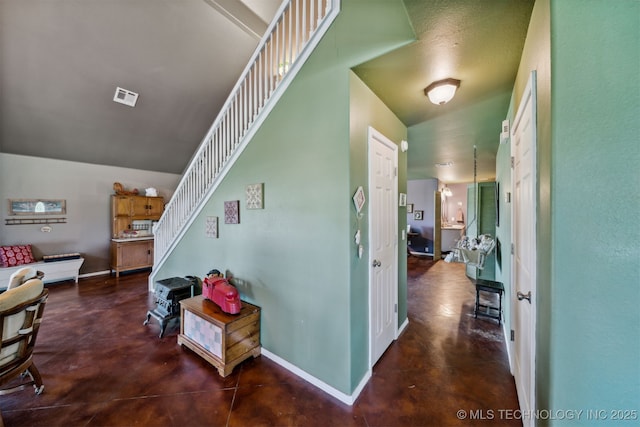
(21, 310)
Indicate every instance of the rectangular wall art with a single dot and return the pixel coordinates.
(211, 227)
(254, 194)
(232, 212)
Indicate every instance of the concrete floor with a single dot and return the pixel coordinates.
(102, 367)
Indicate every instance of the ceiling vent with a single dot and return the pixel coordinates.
(126, 97)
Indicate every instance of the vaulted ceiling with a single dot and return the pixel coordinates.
(62, 60)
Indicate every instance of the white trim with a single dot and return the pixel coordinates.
(508, 344)
(95, 273)
(402, 327)
(344, 398)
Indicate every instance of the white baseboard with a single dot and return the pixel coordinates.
(95, 273)
(344, 398)
(507, 343)
(402, 327)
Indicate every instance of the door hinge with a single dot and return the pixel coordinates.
(513, 162)
(513, 335)
(512, 249)
(395, 171)
(395, 308)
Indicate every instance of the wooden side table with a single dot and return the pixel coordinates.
(222, 339)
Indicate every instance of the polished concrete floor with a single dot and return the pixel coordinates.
(102, 367)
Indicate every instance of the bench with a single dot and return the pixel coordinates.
(54, 271)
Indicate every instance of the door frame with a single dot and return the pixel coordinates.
(529, 95)
(374, 136)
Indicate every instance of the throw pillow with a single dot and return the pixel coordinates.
(10, 256)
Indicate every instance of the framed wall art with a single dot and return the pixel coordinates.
(211, 227)
(254, 195)
(410, 208)
(37, 207)
(232, 212)
(418, 215)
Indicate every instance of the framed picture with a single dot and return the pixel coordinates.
(403, 199)
(254, 194)
(37, 207)
(232, 212)
(418, 215)
(211, 227)
(410, 208)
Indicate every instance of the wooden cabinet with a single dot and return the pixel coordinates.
(146, 207)
(131, 254)
(222, 339)
(126, 209)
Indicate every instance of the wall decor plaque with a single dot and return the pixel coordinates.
(232, 212)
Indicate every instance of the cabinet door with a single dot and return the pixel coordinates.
(135, 254)
(139, 206)
(156, 207)
(121, 205)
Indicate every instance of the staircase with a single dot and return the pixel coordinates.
(293, 34)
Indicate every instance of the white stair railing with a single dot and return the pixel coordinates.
(298, 27)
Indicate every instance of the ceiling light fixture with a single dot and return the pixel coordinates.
(446, 191)
(442, 91)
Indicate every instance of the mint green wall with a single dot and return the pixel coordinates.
(595, 276)
(536, 55)
(588, 322)
(295, 257)
(368, 110)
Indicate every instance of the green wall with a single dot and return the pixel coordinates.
(595, 276)
(296, 258)
(588, 290)
(367, 109)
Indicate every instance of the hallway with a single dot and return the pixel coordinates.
(102, 367)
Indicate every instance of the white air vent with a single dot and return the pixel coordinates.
(126, 97)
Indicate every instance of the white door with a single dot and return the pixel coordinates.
(523, 274)
(383, 251)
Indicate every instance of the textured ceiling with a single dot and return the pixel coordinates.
(477, 42)
(61, 61)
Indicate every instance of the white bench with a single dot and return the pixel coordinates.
(54, 271)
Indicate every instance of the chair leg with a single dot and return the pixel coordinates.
(37, 379)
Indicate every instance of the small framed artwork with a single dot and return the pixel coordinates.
(403, 199)
(418, 215)
(254, 195)
(211, 227)
(410, 208)
(232, 212)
